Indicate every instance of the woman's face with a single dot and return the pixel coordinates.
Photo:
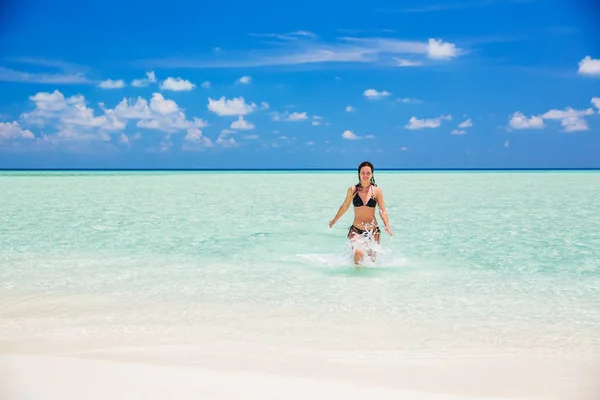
(365, 173)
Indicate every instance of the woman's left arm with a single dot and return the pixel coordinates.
(383, 211)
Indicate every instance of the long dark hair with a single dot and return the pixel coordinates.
(366, 164)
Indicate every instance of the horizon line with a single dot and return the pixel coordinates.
(303, 169)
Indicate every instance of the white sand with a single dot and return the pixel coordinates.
(108, 349)
(49, 378)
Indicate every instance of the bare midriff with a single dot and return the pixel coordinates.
(364, 218)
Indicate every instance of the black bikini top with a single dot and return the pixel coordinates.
(358, 202)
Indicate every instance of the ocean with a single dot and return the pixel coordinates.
(484, 263)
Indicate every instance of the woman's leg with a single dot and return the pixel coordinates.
(354, 235)
(376, 235)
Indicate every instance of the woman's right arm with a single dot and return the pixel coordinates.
(344, 207)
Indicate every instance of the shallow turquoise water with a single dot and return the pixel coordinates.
(484, 247)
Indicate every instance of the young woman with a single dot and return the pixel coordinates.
(365, 195)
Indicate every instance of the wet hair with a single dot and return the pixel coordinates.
(366, 164)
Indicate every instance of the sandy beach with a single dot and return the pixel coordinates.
(67, 349)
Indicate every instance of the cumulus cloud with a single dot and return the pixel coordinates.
(415, 123)
(290, 117)
(235, 106)
(374, 94)
(150, 78)
(241, 124)
(70, 113)
(177, 84)
(571, 119)
(437, 49)
(409, 100)
(226, 142)
(466, 124)
(195, 135)
(349, 135)
(350, 109)
(12, 130)
(244, 80)
(596, 103)
(110, 84)
(71, 117)
(520, 121)
(458, 132)
(589, 66)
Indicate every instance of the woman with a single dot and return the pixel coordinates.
(365, 195)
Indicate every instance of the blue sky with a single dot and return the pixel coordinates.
(413, 84)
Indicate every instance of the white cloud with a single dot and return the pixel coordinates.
(73, 119)
(226, 142)
(177, 84)
(12, 130)
(205, 85)
(47, 105)
(82, 116)
(348, 134)
(416, 123)
(506, 144)
(574, 124)
(404, 148)
(596, 103)
(466, 124)
(401, 62)
(150, 78)
(589, 66)
(241, 124)
(305, 50)
(350, 109)
(195, 135)
(9, 75)
(437, 49)
(110, 84)
(310, 143)
(236, 106)
(317, 120)
(374, 94)
(409, 100)
(293, 117)
(458, 132)
(567, 113)
(226, 132)
(124, 138)
(571, 119)
(139, 110)
(163, 106)
(69, 113)
(244, 80)
(520, 121)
